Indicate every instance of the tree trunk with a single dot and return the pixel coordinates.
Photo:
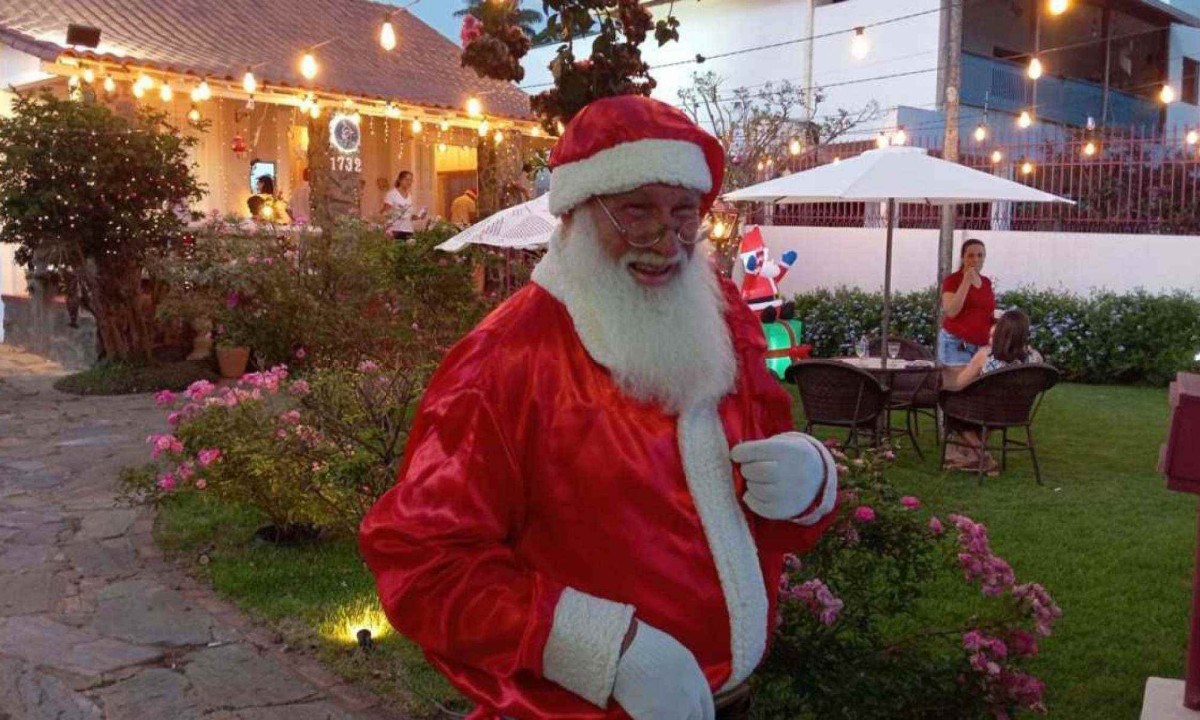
(121, 320)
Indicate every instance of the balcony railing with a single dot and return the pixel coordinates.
(1003, 86)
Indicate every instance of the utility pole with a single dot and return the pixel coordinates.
(953, 60)
(810, 104)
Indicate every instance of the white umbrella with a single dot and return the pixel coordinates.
(892, 175)
(525, 227)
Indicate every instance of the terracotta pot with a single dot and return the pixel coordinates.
(233, 361)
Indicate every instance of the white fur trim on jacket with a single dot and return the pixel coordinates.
(624, 167)
(585, 644)
(705, 452)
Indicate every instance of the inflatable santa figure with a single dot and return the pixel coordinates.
(602, 479)
(760, 286)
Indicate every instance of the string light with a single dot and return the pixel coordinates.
(980, 133)
(881, 141)
(444, 126)
(900, 137)
(997, 156)
(73, 81)
(1026, 168)
(1034, 71)
(1089, 149)
(794, 147)
(195, 94)
(1058, 7)
(1167, 94)
(860, 44)
(474, 107)
(308, 66)
(441, 147)
(315, 111)
(165, 93)
(761, 166)
(144, 81)
(194, 115)
(1025, 120)
(392, 111)
(483, 128)
(498, 137)
(89, 76)
(110, 85)
(1192, 137)
(249, 84)
(204, 90)
(138, 90)
(387, 35)
(416, 127)
(306, 103)
(536, 131)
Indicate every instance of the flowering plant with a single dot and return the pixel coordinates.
(901, 614)
(315, 453)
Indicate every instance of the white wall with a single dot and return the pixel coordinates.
(1076, 262)
(711, 27)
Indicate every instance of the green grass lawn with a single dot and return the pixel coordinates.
(1112, 545)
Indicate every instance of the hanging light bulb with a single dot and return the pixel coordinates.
(997, 156)
(89, 76)
(1058, 7)
(305, 104)
(1026, 167)
(761, 165)
(1034, 71)
(249, 84)
(1089, 148)
(73, 81)
(1025, 120)
(536, 131)
(308, 66)
(483, 128)
(498, 137)
(145, 81)
(315, 111)
(900, 137)
(474, 107)
(881, 141)
(416, 127)
(1192, 137)
(1167, 94)
(387, 35)
(165, 93)
(794, 147)
(860, 45)
(204, 91)
(393, 111)
(441, 147)
(980, 133)
(195, 95)
(139, 91)
(194, 115)
(110, 85)
(444, 125)
(250, 103)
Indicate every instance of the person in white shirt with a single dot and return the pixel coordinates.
(398, 207)
(300, 206)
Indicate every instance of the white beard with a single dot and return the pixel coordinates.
(666, 344)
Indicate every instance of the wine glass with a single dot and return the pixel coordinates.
(860, 348)
(893, 348)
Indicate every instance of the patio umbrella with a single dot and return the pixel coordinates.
(522, 227)
(892, 175)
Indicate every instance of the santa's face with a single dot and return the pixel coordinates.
(641, 229)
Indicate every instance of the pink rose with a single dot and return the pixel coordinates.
(166, 481)
(935, 526)
(291, 417)
(910, 502)
(201, 483)
(299, 388)
(164, 398)
(208, 456)
(367, 366)
(864, 514)
(301, 353)
(174, 418)
(232, 299)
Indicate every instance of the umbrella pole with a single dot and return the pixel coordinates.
(887, 283)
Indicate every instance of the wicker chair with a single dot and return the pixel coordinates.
(913, 393)
(1000, 400)
(835, 394)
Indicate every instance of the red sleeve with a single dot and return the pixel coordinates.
(952, 281)
(436, 543)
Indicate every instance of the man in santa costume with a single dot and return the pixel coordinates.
(601, 482)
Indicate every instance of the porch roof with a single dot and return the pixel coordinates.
(221, 39)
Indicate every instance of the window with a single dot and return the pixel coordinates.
(1191, 81)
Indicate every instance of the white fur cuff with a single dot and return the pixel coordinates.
(585, 644)
(627, 166)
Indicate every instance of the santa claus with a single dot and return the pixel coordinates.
(601, 482)
(761, 278)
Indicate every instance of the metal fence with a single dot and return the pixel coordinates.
(1121, 182)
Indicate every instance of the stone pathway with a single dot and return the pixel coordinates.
(94, 624)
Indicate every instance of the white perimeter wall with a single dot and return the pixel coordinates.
(1077, 262)
(711, 27)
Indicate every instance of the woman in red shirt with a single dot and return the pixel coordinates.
(968, 307)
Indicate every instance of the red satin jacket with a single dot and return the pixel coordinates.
(527, 471)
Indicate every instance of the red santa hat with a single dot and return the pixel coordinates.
(752, 242)
(616, 144)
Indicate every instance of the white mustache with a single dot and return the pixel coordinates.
(653, 259)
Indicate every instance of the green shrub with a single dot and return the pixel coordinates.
(115, 377)
(1129, 338)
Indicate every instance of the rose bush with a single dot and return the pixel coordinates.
(900, 614)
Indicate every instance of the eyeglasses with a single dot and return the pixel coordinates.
(643, 240)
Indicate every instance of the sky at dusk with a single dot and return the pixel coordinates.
(440, 13)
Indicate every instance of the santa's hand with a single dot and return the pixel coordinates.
(786, 474)
(788, 258)
(659, 679)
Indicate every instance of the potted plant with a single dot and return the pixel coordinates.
(232, 358)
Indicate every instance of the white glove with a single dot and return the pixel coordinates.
(785, 473)
(659, 679)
